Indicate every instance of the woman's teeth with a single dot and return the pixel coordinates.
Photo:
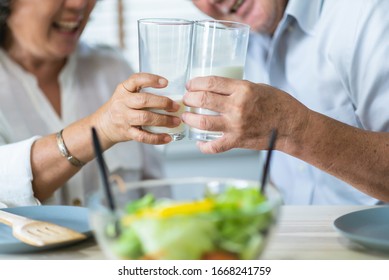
(67, 25)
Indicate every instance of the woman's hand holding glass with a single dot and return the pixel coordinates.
(120, 119)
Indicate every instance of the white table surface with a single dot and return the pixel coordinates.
(303, 233)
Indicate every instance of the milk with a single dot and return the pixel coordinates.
(178, 131)
(233, 72)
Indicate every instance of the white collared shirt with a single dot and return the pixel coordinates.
(332, 56)
(87, 81)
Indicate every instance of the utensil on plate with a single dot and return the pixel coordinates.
(38, 233)
(265, 173)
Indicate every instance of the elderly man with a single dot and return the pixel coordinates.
(326, 64)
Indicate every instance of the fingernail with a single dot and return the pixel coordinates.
(176, 121)
(176, 106)
(162, 82)
(167, 139)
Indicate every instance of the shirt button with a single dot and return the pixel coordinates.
(77, 202)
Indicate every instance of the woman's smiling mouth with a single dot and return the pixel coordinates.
(67, 26)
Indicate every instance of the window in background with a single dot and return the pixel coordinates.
(114, 22)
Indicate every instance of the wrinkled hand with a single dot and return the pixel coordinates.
(248, 112)
(121, 118)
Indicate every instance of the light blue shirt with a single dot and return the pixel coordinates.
(333, 56)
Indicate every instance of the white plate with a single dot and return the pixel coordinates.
(369, 227)
(75, 218)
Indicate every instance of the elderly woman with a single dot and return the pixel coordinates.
(53, 90)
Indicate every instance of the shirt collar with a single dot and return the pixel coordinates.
(306, 13)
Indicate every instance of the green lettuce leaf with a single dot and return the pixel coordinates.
(179, 237)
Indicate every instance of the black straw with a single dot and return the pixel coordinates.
(103, 169)
(265, 173)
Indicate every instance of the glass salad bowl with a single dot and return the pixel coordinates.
(185, 219)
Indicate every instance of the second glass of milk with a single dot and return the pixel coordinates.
(165, 49)
(219, 49)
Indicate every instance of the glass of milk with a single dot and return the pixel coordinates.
(219, 49)
(165, 49)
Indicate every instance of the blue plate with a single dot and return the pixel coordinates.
(368, 227)
(73, 217)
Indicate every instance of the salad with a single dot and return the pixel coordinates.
(230, 225)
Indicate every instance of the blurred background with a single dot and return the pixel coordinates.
(114, 22)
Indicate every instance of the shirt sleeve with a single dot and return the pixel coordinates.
(16, 174)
